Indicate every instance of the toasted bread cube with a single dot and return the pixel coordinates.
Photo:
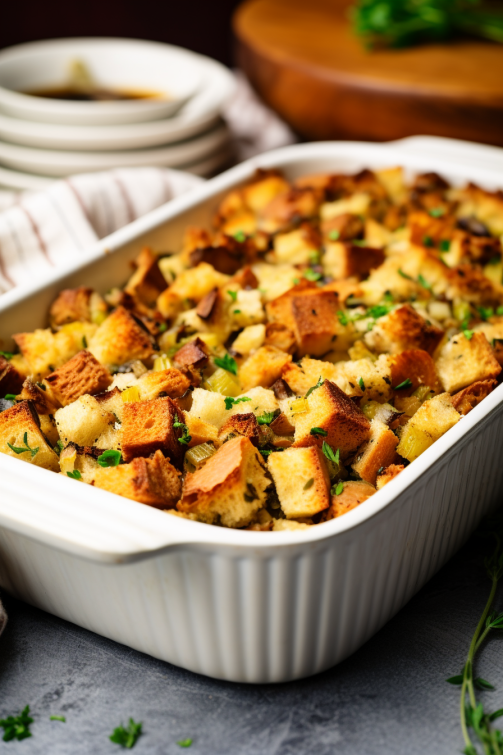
(192, 354)
(83, 421)
(464, 361)
(379, 451)
(170, 304)
(200, 431)
(111, 401)
(230, 488)
(428, 424)
(147, 282)
(301, 377)
(418, 367)
(344, 259)
(19, 427)
(81, 459)
(302, 481)
(153, 481)
(261, 191)
(295, 247)
(40, 397)
(208, 406)
(148, 426)
(470, 397)
(11, 381)
(250, 339)
(357, 204)
(388, 474)
(274, 280)
(280, 336)
(343, 227)
(285, 209)
(197, 282)
(353, 493)
(493, 331)
(263, 367)
(171, 382)
(77, 305)
(244, 425)
(376, 377)
(247, 310)
(45, 351)
(82, 374)
(401, 330)
(48, 428)
(330, 409)
(121, 338)
(316, 324)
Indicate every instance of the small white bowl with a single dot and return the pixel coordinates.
(126, 64)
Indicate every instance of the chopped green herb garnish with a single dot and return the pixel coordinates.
(312, 275)
(337, 489)
(230, 402)
(10, 396)
(499, 311)
(240, 236)
(485, 312)
(6, 354)
(21, 450)
(359, 242)
(233, 295)
(343, 319)
(468, 334)
(110, 458)
(295, 281)
(444, 245)
(266, 418)
(186, 438)
(361, 383)
(84, 342)
(318, 431)
(437, 212)
(407, 383)
(58, 447)
(162, 327)
(265, 452)
(184, 742)
(309, 484)
(334, 235)
(314, 387)
(314, 257)
(404, 275)
(75, 475)
(127, 736)
(237, 311)
(377, 311)
(495, 260)
(58, 718)
(423, 282)
(17, 727)
(428, 241)
(227, 363)
(329, 453)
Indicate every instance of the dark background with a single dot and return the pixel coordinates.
(200, 25)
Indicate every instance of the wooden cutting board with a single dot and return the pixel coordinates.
(306, 63)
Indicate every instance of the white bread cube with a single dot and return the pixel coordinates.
(15, 423)
(463, 361)
(83, 422)
(429, 423)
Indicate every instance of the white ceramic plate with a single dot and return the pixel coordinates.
(61, 163)
(115, 63)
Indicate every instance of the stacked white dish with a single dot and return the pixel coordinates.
(43, 138)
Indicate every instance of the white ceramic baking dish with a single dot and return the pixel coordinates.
(245, 606)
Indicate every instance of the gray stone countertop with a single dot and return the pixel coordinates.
(389, 697)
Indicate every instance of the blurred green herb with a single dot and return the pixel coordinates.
(17, 727)
(404, 23)
(126, 736)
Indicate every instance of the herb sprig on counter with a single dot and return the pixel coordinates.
(127, 736)
(404, 23)
(17, 727)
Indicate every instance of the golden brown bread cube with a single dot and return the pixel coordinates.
(401, 330)
(331, 410)
(463, 361)
(302, 481)
(81, 374)
(121, 338)
(22, 438)
(45, 351)
(200, 431)
(344, 259)
(388, 474)
(77, 305)
(467, 399)
(353, 493)
(230, 488)
(170, 382)
(11, 381)
(288, 208)
(148, 426)
(280, 336)
(343, 227)
(493, 331)
(263, 367)
(40, 397)
(245, 425)
(147, 282)
(418, 367)
(379, 451)
(153, 481)
(192, 354)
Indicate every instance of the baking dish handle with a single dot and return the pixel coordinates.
(452, 150)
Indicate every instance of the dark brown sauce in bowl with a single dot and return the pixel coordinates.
(96, 95)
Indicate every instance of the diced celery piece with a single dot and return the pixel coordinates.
(131, 394)
(223, 382)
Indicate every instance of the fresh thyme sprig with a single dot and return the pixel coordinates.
(472, 714)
